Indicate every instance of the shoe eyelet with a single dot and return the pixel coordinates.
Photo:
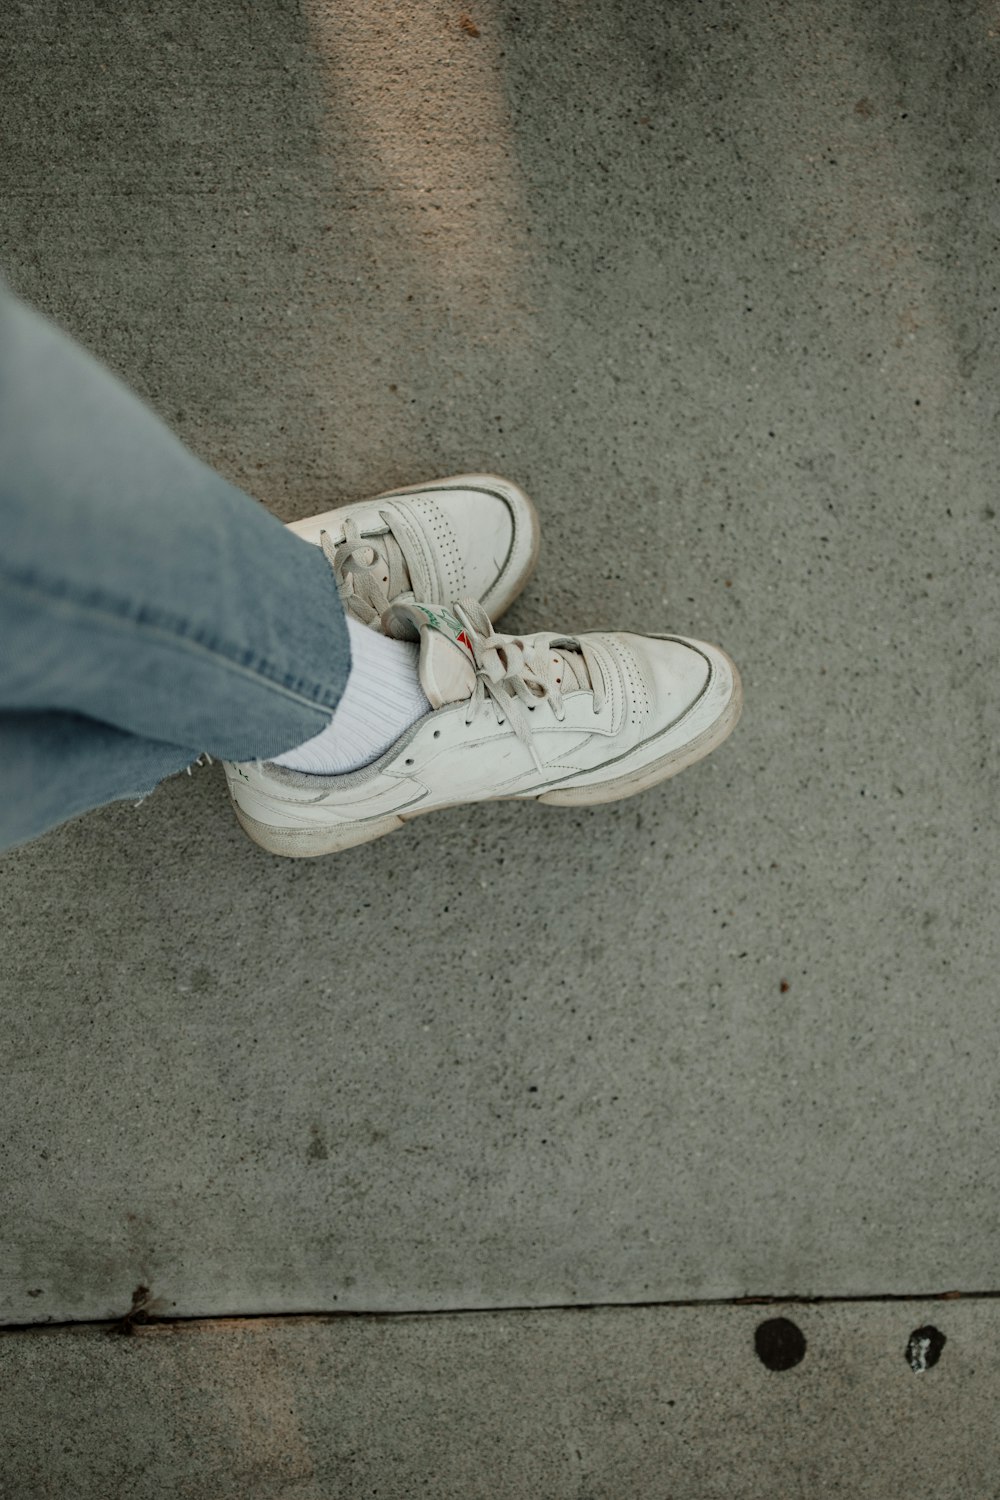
(408, 762)
(532, 707)
(437, 734)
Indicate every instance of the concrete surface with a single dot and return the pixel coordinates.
(597, 1405)
(717, 284)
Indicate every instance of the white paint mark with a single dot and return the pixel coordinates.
(919, 1349)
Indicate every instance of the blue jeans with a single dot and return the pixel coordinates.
(149, 610)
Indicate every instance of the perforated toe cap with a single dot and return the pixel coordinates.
(675, 672)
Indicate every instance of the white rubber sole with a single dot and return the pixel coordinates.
(310, 843)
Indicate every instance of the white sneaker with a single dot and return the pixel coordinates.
(471, 534)
(569, 720)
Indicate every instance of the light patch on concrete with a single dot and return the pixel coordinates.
(418, 94)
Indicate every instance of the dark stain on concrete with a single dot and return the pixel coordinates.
(137, 1313)
(924, 1348)
(780, 1343)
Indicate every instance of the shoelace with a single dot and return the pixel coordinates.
(370, 571)
(514, 675)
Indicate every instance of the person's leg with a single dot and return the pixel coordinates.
(149, 610)
(56, 765)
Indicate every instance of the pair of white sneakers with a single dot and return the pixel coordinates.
(568, 720)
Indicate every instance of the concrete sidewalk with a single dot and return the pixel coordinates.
(592, 1405)
(716, 284)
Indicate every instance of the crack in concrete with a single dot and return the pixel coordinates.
(138, 1316)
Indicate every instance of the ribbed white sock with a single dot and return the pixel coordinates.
(383, 698)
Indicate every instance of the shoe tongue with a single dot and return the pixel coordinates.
(447, 667)
(568, 667)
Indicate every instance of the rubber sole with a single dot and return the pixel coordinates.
(311, 843)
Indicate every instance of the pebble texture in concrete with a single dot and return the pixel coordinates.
(717, 284)
(582, 1405)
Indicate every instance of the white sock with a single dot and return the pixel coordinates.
(383, 697)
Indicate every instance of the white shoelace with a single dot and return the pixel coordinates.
(514, 675)
(370, 571)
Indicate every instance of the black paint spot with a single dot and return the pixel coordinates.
(924, 1348)
(780, 1343)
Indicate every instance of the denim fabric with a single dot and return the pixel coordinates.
(149, 610)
